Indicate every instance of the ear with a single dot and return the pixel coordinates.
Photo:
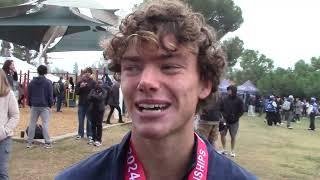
(205, 89)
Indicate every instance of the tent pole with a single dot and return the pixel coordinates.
(43, 50)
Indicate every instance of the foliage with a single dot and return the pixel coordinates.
(223, 15)
(75, 68)
(233, 48)
(300, 81)
(254, 66)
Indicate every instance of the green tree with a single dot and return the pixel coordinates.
(223, 15)
(233, 48)
(254, 66)
(315, 63)
(75, 68)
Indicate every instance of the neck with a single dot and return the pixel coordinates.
(165, 158)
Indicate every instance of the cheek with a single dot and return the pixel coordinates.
(128, 89)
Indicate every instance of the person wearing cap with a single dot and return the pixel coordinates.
(271, 109)
(169, 65)
(314, 111)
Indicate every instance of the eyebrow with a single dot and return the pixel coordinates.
(163, 56)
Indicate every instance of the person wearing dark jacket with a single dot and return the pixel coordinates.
(169, 65)
(60, 94)
(96, 109)
(83, 88)
(40, 99)
(113, 102)
(209, 120)
(231, 109)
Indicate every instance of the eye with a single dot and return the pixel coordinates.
(170, 68)
(131, 69)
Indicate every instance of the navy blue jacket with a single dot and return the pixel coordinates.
(40, 92)
(109, 165)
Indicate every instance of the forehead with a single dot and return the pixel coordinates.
(168, 45)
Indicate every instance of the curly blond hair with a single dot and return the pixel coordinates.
(152, 21)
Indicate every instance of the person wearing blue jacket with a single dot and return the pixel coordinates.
(169, 66)
(40, 99)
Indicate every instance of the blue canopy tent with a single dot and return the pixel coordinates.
(247, 88)
(223, 85)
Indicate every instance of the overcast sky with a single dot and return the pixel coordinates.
(283, 30)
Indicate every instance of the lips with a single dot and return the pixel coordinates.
(152, 105)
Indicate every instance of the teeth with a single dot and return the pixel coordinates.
(149, 110)
(151, 106)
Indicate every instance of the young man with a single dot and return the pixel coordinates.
(40, 99)
(169, 65)
(59, 94)
(209, 121)
(113, 102)
(83, 88)
(231, 109)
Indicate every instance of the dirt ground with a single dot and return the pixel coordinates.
(60, 122)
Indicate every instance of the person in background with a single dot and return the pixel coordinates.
(83, 88)
(313, 113)
(298, 108)
(271, 111)
(9, 119)
(40, 99)
(210, 117)
(113, 102)
(251, 108)
(170, 63)
(96, 110)
(12, 76)
(232, 108)
(71, 83)
(21, 96)
(11, 73)
(59, 94)
(278, 112)
(288, 107)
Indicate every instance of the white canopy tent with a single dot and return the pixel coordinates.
(24, 67)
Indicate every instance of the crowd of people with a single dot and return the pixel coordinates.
(42, 96)
(290, 109)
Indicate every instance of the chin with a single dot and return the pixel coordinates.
(151, 132)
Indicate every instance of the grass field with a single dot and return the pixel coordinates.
(272, 153)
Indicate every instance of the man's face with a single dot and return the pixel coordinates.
(86, 76)
(161, 89)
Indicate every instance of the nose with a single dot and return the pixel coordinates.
(149, 80)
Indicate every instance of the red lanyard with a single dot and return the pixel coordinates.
(134, 168)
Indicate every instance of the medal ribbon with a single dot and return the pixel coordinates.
(134, 168)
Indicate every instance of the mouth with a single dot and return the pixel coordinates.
(144, 107)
